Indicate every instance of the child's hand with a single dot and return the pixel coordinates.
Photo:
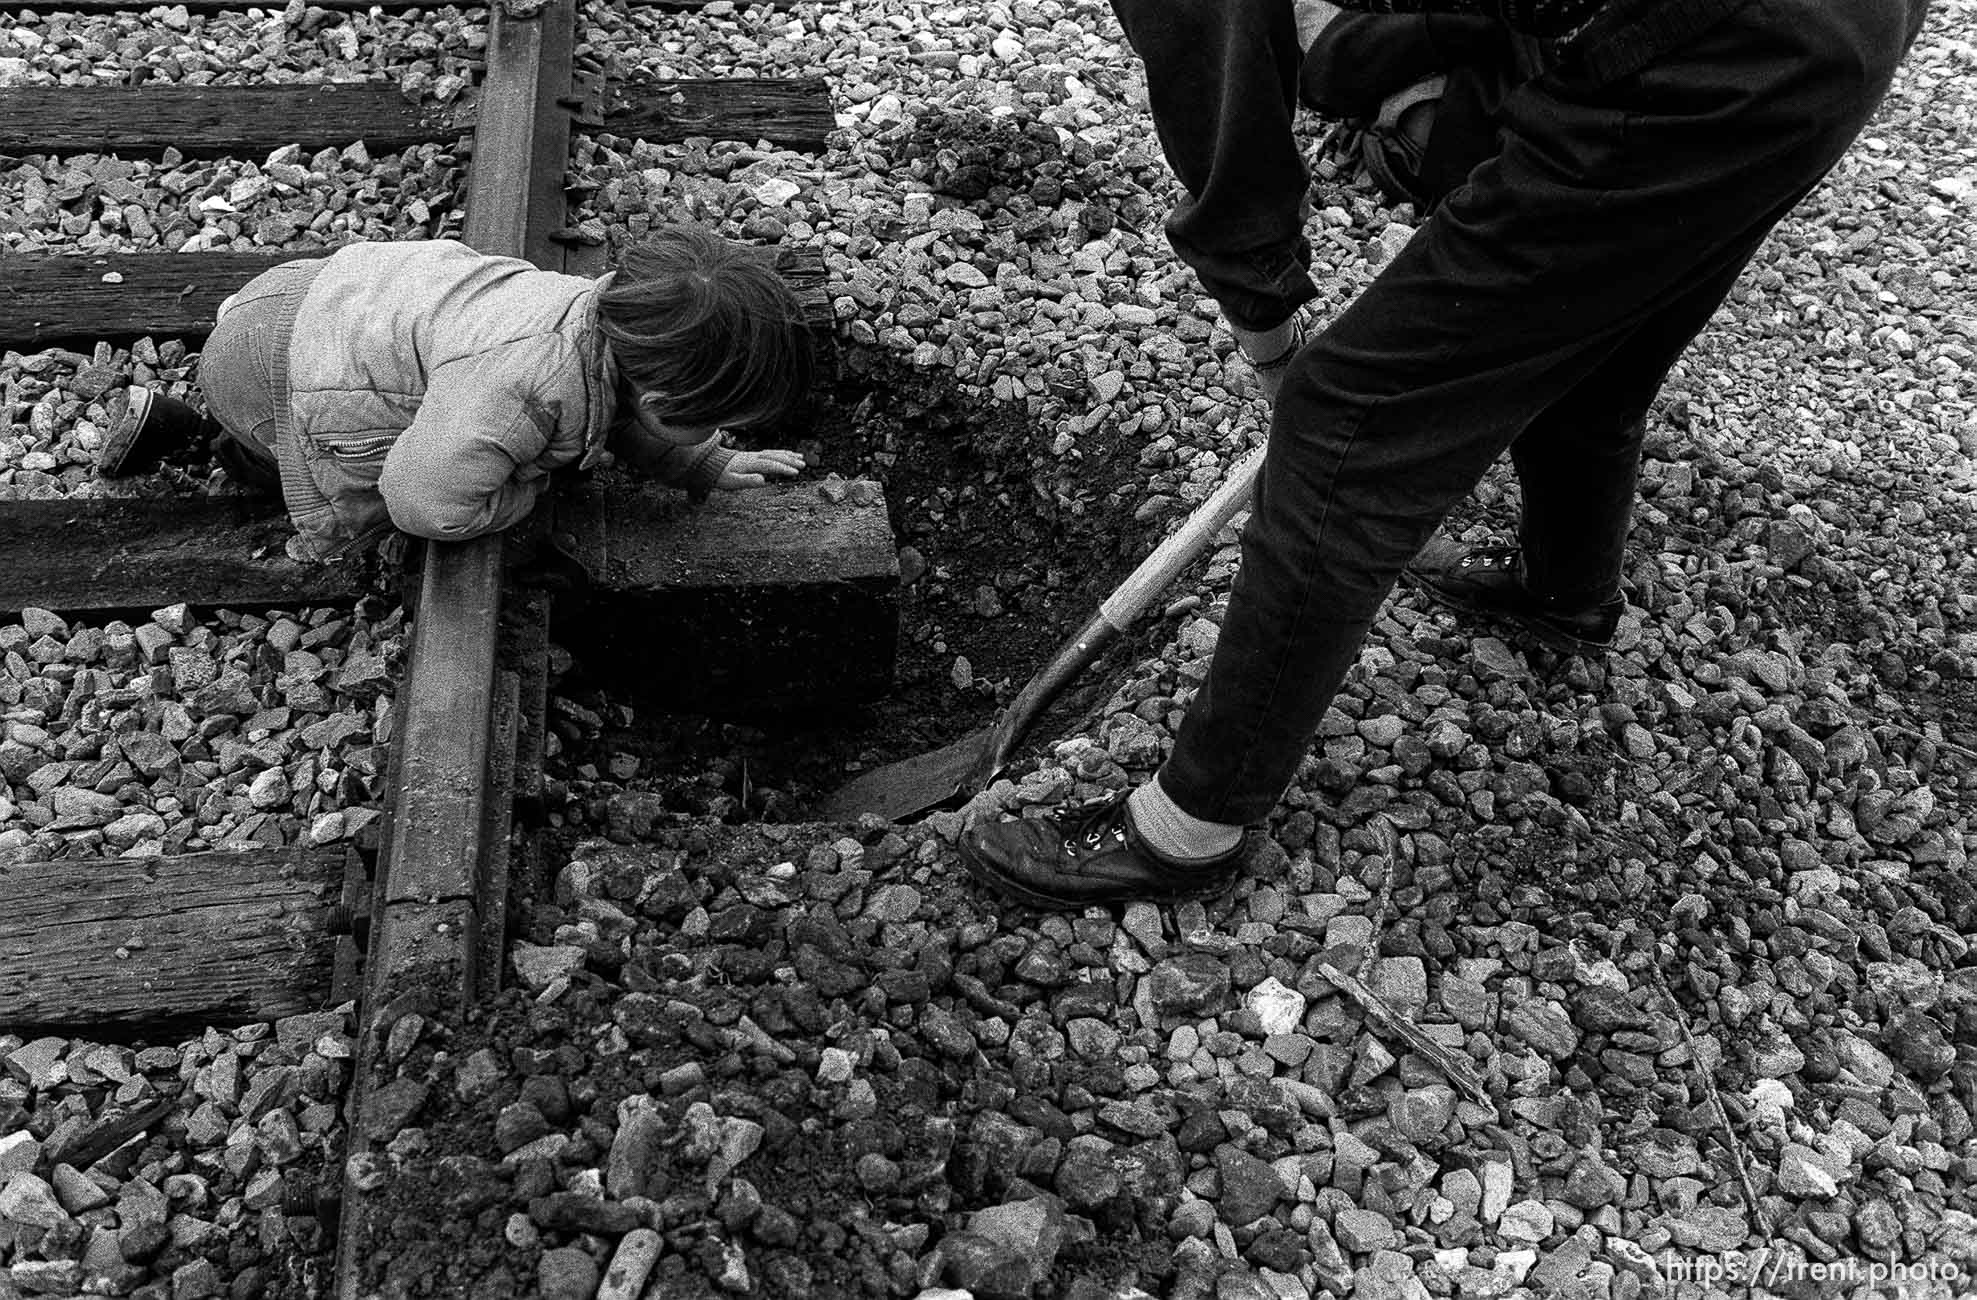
(751, 469)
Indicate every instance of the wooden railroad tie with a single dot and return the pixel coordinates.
(204, 121)
(176, 295)
(226, 6)
(168, 943)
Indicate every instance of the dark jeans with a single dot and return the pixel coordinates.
(1538, 309)
(243, 372)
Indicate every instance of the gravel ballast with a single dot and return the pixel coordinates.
(183, 733)
(1694, 914)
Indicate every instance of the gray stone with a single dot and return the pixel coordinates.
(391, 1108)
(45, 1277)
(1088, 1176)
(566, 1274)
(1363, 1231)
(1497, 1181)
(1495, 661)
(635, 1148)
(1528, 1221)
(1250, 1187)
(1877, 1226)
(1802, 1173)
(78, 809)
(29, 1201)
(1777, 1056)
(1663, 1153)
(1403, 983)
(1466, 1000)
(1591, 1184)
(539, 967)
(1032, 1229)
(1715, 1228)
(1868, 1063)
(1194, 984)
(1464, 1191)
(1420, 1114)
(1545, 1026)
(196, 1280)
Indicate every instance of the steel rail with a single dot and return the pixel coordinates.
(445, 834)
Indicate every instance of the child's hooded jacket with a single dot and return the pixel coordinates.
(434, 388)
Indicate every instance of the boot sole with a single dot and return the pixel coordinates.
(1544, 633)
(115, 454)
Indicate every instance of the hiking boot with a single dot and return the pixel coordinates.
(1085, 855)
(153, 428)
(1489, 580)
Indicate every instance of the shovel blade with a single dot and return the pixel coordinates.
(914, 786)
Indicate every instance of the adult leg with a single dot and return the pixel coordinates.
(1609, 205)
(1222, 83)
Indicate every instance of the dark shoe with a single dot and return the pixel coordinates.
(1085, 855)
(1489, 580)
(153, 428)
(1394, 147)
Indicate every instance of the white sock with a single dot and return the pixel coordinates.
(1270, 344)
(1176, 835)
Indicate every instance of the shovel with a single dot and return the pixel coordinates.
(953, 773)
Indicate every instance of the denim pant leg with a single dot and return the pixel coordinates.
(1578, 463)
(1609, 207)
(243, 376)
(1221, 76)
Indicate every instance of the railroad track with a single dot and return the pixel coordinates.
(407, 916)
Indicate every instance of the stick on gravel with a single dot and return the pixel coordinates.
(1730, 1137)
(1457, 1071)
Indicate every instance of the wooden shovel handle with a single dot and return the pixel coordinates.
(1187, 542)
(1125, 604)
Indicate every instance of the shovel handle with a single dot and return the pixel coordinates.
(1125, 604)
(1186, 543)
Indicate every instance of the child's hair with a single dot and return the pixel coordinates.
(709, 326)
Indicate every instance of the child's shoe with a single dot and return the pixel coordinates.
(153, 427)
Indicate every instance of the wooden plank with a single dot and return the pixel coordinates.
(113, 558)
(45, 296)
(762, 599)
(143, 945)
(228, 6)
(51, 296)
(208, 120)
(793, 112)
(212, 6)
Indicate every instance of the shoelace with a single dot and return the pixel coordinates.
(1093, 825)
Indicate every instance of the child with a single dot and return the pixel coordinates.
(431, 388)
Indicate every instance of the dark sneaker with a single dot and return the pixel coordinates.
(153, 427)
(1489, 580)
(1085, 855)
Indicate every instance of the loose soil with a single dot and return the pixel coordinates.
(1015, 550)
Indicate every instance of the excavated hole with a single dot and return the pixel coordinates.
(1019, 547)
